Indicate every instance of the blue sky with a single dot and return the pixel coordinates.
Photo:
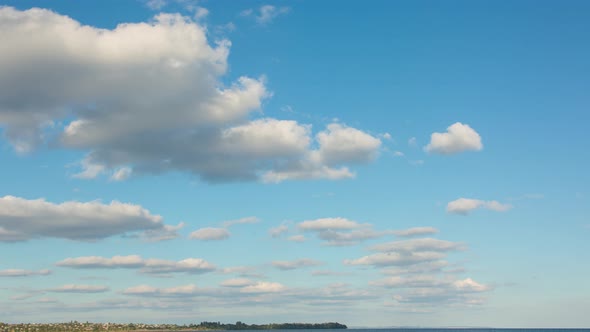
(391, 163)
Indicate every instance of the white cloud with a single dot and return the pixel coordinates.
(22, 219)
(328, 224)
(339, 238)
(464, 206)
(340, 231)
(79, 289)
(23, 273)
(327, 273)
(296, 238)
(237, 282)
(395, 259)
(245, 220)
(470, 285)
(413, 245)
(276, 232)
(308, 171)
(152, 266)
(426, 267)
(264, 287)
(266, 13)
(210, 234)
(417, 281)
(201, 13)
(431, 290)
(167, 111)
(420, 253)
(296, 264)
(458, 138)
(339, 144)
(156, 4)
(178, 291)
(243, 271)
(416, 231)
(121, 174)
(168, 232)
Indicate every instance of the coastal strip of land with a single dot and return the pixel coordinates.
(75, 326)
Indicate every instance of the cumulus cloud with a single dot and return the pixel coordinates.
(328, 224)
(407, 252)
(243, 271)
(296, 264)
(419, 281)
(23, 273)
(264, 287)
(432, 290)
(179, 291)
(79, 289)
(23, 219)
(395, 259)
(276, 232)
(237, 282)
(464, 206)
(210, 234)
(423, 244)
(339, 238)
(458, 138)
(339, 144)
(83, 88)
(220, 233)
(414, 231)
(151, 265)
(168, 232)
(340, 231)
(420, 268)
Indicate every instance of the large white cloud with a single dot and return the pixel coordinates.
(22, 219)
(150, 265)
(464, 206)
(148, 98)
(458, 138)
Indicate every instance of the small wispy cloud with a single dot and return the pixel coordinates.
(464, 206)
(23, 273)
(296, 264)
(265, 14)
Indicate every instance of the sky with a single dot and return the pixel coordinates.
(382, 163)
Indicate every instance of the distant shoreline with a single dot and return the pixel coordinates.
(75, 326)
